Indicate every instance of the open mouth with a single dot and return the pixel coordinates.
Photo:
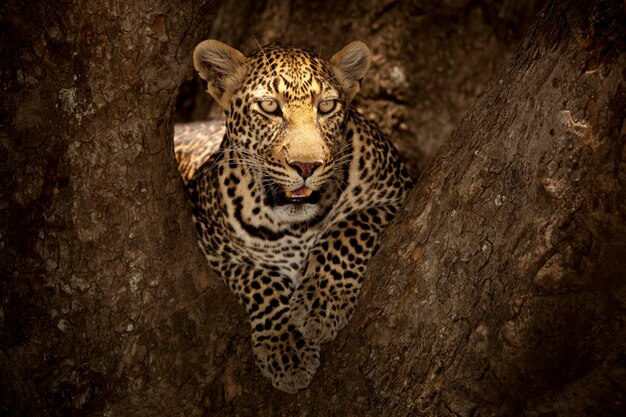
(300, 195)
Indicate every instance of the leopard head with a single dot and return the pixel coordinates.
(286, 113)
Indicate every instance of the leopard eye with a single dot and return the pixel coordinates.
(269, 106)
(326, 106)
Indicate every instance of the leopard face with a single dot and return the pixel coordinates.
(287, 123)
(286, 118)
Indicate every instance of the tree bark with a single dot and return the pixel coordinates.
(502, 286)
(498, 291)
(101, 277)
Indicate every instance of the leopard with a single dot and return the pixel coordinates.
(290, 194)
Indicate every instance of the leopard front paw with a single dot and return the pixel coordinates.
(287, 359)
(316, 316)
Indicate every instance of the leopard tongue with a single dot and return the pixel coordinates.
(301, 192)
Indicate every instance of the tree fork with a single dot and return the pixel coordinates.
(498, 291)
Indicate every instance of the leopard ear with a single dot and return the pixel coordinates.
(349, 67)
(222, 67)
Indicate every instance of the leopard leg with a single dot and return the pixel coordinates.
(328, 294)
(281, 352)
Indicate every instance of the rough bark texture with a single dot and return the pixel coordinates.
(499, 290)
(100, 273)
(503, 290)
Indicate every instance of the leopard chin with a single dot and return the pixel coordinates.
(297, 213)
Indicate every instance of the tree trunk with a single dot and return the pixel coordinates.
(498, 291)
(501, 289)
(101, 278)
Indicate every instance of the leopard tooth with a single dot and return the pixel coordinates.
(303, 192)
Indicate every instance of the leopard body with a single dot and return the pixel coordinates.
(290, 208)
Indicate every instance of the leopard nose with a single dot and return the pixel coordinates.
(305, 169)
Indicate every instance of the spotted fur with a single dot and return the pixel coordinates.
(295, 262)
(195, 143)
